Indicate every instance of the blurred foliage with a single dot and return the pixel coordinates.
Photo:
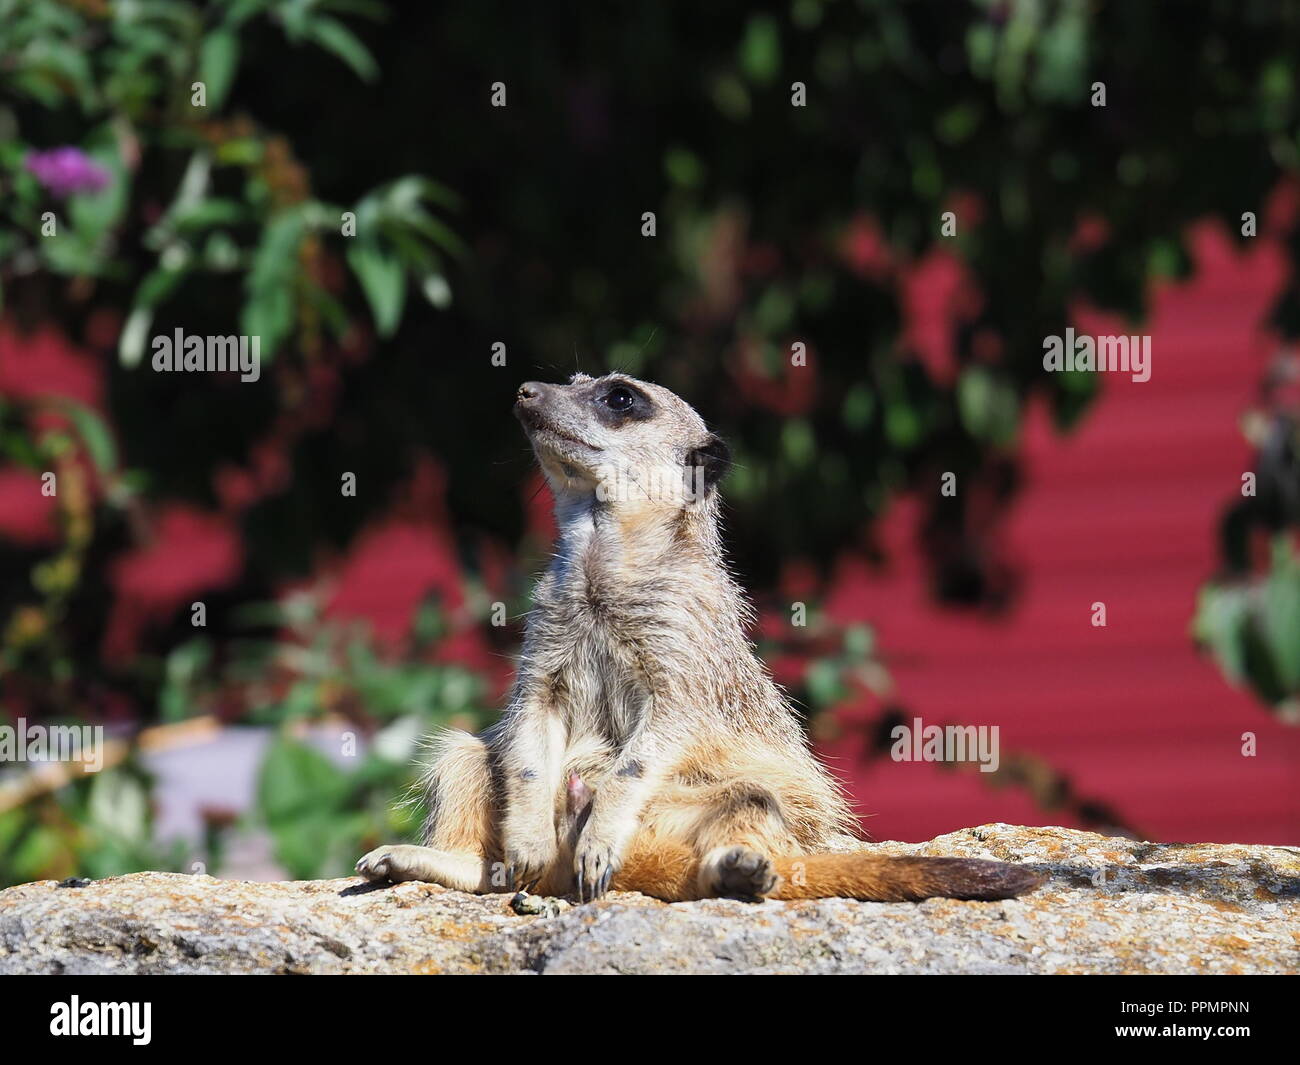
(1254, 631)
(766, 215)
(1249, 615)
(98, 825)
(146, 82)
(174, 213)
(321, 811)
(777, 225)
(36, 629)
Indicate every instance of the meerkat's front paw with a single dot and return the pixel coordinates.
(395, 862)
(375, 866)
(528, 860)
(594, 866)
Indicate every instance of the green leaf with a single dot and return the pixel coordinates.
(437, 231)
(334, 37)
(93, 213)
(157, 286)
(183, 667)
(296, 780)
(321, 843)
(269, 315)
(683, 167)
(119, 806)
(1282, 619)
(1220, 619)
(798, 442)
(218, 61)
(825, 685)
(130, 345)
(94, 433)
(65, 65)
(384, 283)
(1259, 664)
(406, 193)
(269, 312)
(760, 49)
(988, 406)
(208, 212)
(308, 805)
(859, 642)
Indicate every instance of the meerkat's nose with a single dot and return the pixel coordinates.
(530, 403)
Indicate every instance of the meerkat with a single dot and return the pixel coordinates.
(645, 746)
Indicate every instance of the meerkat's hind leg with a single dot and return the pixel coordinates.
(460, 832)
(708, 841)
(737, 870)
(460, 795)
(399, 862)
(743, 827)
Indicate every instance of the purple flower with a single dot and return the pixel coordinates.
(66, 170)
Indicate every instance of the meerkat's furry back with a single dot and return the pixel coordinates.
(645, 746)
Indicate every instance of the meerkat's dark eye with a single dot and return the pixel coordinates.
(617, 404)
(619, 399)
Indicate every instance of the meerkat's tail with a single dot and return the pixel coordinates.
(673, 872)
(880, 879)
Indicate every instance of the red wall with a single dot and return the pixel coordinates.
(1123, 510)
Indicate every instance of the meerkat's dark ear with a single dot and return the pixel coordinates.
(711, 459)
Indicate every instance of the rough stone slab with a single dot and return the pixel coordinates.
(1166, 908)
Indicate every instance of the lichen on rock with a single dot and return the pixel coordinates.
(1111, 906)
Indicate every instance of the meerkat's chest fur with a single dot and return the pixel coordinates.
(586, 636)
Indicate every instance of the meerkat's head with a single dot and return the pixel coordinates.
(628, 444)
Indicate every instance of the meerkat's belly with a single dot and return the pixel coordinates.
(604, 700)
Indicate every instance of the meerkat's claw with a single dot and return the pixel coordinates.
(521, 878)
(375, 865)
(595, 867)
(528, 857)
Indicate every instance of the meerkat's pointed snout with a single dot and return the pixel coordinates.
(528, 398)
(530, 404)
